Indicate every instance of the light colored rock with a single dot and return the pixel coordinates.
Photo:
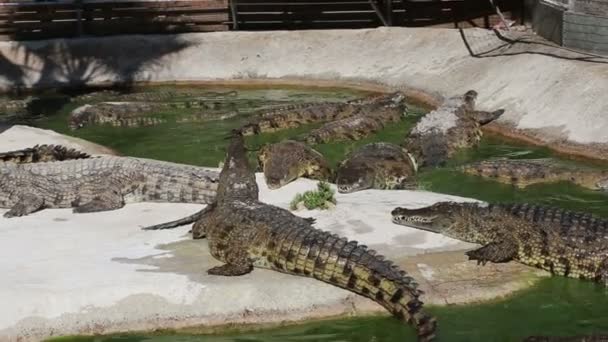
(65, 273)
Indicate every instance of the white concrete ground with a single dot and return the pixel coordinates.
(552, 95)
(65, 273)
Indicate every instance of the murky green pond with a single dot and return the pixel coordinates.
(554, 306)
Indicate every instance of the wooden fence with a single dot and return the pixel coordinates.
(19, 21)
(281, 14)
(67, 18)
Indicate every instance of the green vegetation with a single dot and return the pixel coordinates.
(317, 199)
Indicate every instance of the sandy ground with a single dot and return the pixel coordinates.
(65, 273)
(552, 96)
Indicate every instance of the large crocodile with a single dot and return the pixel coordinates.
(376, 166)
(563, 242)
(525, 172)
(453, 126)
(288, 160)
(140, 114)
(42, 153)
(99, 184)
(369, 119)
(307, 113)
(245, 233)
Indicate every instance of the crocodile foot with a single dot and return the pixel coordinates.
(26, 205)
(231, 270)
(494, 252)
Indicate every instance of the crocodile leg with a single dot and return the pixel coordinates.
(27, 204)
(603, 272)
(486, 117)
(497, 252)
(230, 270)
(108, 200)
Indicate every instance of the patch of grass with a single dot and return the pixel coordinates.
(315, 199)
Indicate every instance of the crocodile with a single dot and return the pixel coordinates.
(376, 166)
(563, 242)
(307, 113)
(454, 125)
(580, 338)
(288, 160)
(244, 234)
(119, 114)
(151, 96)
(100, 184)
(525, 172)
(42, 153)
(369, 119)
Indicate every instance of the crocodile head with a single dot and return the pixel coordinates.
(603, 184)
(80, 117)
(447, 218)
(277, 177)
(469, 99)
(351, 178)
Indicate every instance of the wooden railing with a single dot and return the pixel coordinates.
(73, 18)
(34, 20)
(281, 14)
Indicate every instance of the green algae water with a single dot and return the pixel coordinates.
(554, 306)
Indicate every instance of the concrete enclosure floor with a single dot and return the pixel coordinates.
(99, 273)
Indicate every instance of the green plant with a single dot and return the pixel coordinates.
(315, 199)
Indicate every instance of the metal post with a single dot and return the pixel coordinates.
(78, 4)
(379, 13)
(388, 6)
(234, 11)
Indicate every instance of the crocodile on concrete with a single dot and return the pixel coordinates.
(42, 153)
(288, 160)
(100, 184)
(525, 172)
(563, 242)
(307, 113)
(376, 166)
(244, 233)
(454, 125)
(369, 119)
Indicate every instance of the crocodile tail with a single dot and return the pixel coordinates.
(179, 222)
(42, 153)
(64, 153)
(327, 257)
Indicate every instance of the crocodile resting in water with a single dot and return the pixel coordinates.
(369, 119)
(525, 172)
(245, 233)
(307, 113)
(571, 244)
(288, 160)
(140, 114)
(453, 126)
(99, 184)
(376, 166)
(587, 338)
(42, 153)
